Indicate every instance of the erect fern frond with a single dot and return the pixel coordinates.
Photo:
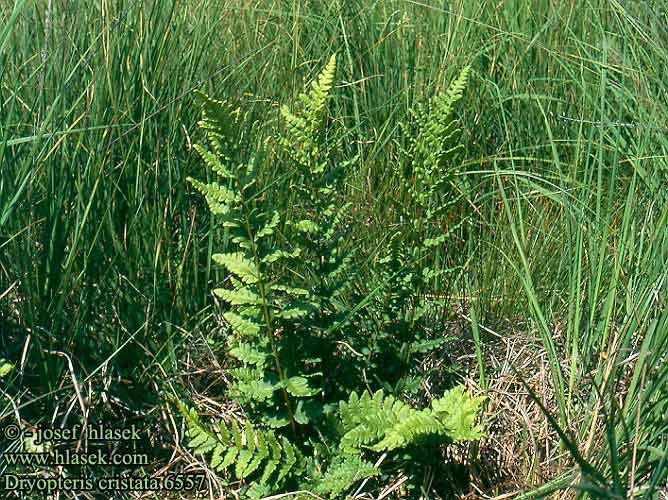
(302, 140)
(456, 89)
(283, 283)
(431, 210)
(320, 89)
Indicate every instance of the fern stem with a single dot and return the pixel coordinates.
(267, 320)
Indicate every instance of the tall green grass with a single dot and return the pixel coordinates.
(103, 257)
(584, 236)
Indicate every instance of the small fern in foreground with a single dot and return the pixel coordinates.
(384, 423)
(243, 452)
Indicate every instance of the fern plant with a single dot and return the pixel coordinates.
(379, 423)
(267, 463)
(289, 301)
(384, 423)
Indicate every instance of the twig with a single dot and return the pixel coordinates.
(366, 480)
(395, 486)
(75, 383)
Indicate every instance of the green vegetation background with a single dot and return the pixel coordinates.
(105, 252)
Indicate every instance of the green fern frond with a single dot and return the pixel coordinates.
(431, 212)
(458, 412)
(244, 452)
(302, 140)
(456, 89)
(383, 423)
(342, 474)
(320, 90)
